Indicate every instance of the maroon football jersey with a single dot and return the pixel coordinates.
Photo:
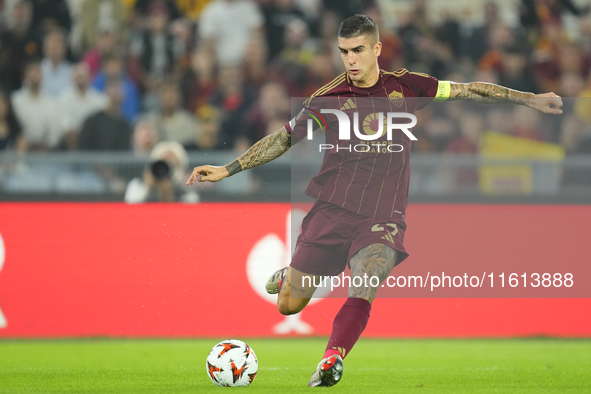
(369, 178)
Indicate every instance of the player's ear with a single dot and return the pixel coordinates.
(378, 48)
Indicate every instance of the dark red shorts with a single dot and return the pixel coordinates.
(331, 235)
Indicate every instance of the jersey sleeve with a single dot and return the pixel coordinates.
(310, 113)
(428, 88)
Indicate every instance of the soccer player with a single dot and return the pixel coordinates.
(361, 196)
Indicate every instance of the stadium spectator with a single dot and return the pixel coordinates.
(556, 54)
(279, 14)
(514, 71)
(163, 179)
(255, 64)
(299, 51)
(433, 131)
(142, 8)
(234, 99)
(318, 73)
(76, 104)
(156, 50)
(575, 136)
(273, 105)
(49, 15)
(391, 57)
(144, 138)
(550, 59)
(198, 82)
(107, 130)
(585, 36)
(206, 136)
(98, 16)
(106, 45)
(172, 122)
(57, 72)
(500, 38)
(527, 125)
(572, 84)
(571, 58)
(4, 63)
(445, 35)
(20, 45)
(328, 45)
(10, 129)
(226, 27)
(582, 105)
(346, 8)
(469, 141)
(498, 121)
(35, 111)
(416, 33)
(113, 69)
(478, 41)
(534, 14)
(192, 9)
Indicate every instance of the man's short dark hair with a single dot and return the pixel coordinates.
(357, 25)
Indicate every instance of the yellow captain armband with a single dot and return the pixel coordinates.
(443, 91)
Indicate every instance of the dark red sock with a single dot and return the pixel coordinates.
(348, 326)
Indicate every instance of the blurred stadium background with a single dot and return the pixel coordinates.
(94, 92)
(216, 76)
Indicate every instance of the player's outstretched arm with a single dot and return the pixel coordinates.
(490, 93)
(263, 151)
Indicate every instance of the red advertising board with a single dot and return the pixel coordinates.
(159, 270)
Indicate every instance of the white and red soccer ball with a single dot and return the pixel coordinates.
(232, 363)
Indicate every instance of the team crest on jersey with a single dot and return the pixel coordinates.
(396, 98)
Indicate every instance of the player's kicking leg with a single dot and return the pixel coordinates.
(374, 260)
(295, 289)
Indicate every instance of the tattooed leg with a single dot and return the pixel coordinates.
(374, 260)
(296, 291)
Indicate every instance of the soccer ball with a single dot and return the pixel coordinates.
(232, 363)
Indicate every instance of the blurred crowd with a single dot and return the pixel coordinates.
(125, 75)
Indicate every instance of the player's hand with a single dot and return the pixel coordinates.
(548, 103)
(208, 174)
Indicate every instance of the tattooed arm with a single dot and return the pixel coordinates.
(263, 151)
(489, 93)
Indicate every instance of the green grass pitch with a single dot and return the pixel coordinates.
(285, 365)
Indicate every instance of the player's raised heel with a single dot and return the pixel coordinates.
(272, 286)
(328, 373)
